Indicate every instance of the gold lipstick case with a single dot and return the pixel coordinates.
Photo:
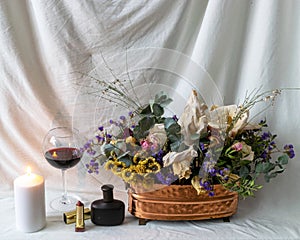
(70, 217)
(79, 224)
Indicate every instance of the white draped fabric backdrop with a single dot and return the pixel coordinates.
(223, 48)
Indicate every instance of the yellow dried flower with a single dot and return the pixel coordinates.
(213, 107)
(109, 165)
(127, 175)
(140, 168)
(154, 167)
(136, 158)
(113, 142)
(130, 140)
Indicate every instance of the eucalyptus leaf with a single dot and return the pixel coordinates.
(244, 171)
(174, 138)
(136, 131)
(146, 110)
(182, 147)
(162, 99)
(174, 129)
(107, 148)
(281, 170)
(160, 96)
(166, 102)
(269, 176)
(168, 122)
(283, 159)
(175, 146)
(102, 159)
(267, 167)
(259, 168)
(146, 123)
(157, 110)
(125, 158)
(171, 126)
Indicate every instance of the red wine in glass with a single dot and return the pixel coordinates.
(63, 157)
(61, 150)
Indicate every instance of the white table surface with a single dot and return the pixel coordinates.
(247, 223)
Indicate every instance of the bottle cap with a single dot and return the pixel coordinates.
(108, 195)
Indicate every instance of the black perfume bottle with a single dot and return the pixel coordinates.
(107, 211)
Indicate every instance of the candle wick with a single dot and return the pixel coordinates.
(28, 171)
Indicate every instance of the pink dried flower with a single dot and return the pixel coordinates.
(237, 146)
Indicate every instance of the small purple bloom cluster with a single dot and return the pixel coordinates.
(88, 147)
(269, 144)
(123, 121)
(159, 156)
(207, 187)
(167, 178)
(93, 166)
(270, 147)
(289, 149)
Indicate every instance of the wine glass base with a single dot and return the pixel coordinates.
(59, 205)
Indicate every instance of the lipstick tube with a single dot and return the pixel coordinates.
(70, 217)
(79, 226)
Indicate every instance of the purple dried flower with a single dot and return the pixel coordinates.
(91, 152)
(206, 185)
(211, 193)
(93, 167)
(202, 146)
(100, 138)
(270, 147)
(108, 135)
(264, 155)
(224, 172)
(159, 156)
(289, 149)
(207, 155)
(167, 179)
(81, 150)
(266, 135)
(87, 145)
(94, 164)
(212, 171)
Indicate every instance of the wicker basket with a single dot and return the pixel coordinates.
(181, 202)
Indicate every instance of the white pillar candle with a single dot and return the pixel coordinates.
(29, 190)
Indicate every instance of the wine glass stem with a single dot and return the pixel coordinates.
(64, 199)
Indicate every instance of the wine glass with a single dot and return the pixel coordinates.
(61, 150)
